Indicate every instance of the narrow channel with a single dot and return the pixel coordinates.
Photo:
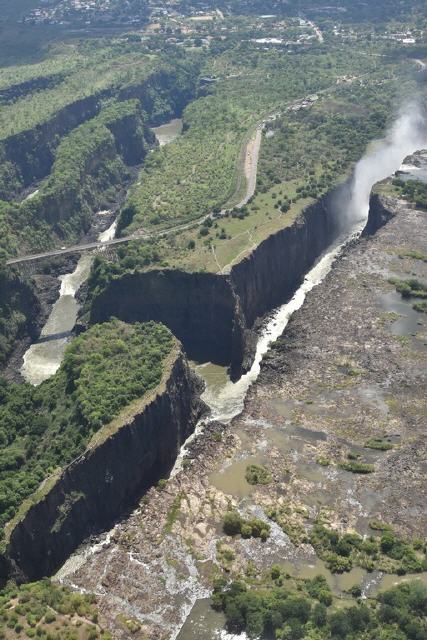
(43, 358)
(226, 399)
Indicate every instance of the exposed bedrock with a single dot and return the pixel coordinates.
(381, 210)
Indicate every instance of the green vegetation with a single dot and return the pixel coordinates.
(416, 255)
(85, 153)
(198, 174)
(173, 513)
(381, 444)
(387, 553)
(289, 523)
(100, 71)
(86, 168)
(413, 190)
(410, 288)
(18, 307)
(44, 428)
(45, 610)
(289, 610)
(234, 524)
(420, 306)
(355, 466)
(257, 474)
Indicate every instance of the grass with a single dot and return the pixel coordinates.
(173, 513)
(257, 474)
(416, 255)
(355, 466)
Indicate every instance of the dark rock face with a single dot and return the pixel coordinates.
(108, 478)
(199, 308)
(213, 315)
(272, 273)
(18, 297)
(28, 156)
(381, 210)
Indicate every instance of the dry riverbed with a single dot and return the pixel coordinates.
(347, 370)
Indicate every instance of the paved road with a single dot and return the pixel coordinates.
(250, 170)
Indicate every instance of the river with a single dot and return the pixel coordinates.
(43, 358)
(226, 399)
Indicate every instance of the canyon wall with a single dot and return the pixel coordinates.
(381, 210)
(19, 312)
(199, 308)
(214, 315)
(28, 156)
(123, 459)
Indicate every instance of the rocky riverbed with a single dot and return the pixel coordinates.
(350, 367)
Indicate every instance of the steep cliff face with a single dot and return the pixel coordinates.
(164, 94)
(381, 210)
(199, 308)
(123, 460)
(213, 315)
(28, 156)
(271, 273)
(19, 312)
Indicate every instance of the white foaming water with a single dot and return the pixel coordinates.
(43, 358)
(229, 401)
(407, 135)
(108, 234)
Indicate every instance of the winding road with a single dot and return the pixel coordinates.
(250, 171)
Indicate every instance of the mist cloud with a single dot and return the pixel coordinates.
(407, 135)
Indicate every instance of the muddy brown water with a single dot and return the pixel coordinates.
(43, 358)
(168, 132)
(409, 321)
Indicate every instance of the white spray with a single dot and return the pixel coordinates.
(407, 135)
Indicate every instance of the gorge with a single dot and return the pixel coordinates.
(212, 328)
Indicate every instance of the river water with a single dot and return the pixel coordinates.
(43, 358)
(226, 399)
(168, 132)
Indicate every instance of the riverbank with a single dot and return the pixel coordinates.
(58, 288)
(319, 397)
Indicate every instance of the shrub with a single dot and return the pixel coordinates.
(354, 466)
(257, 474)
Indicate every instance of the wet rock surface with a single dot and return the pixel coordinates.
(340, 375)
(340, 369)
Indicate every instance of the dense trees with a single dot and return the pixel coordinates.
(43, 428)
(291, 610)
(45, 610)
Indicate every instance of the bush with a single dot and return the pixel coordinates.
(257, 474)
(234, 524)
(354, 466)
